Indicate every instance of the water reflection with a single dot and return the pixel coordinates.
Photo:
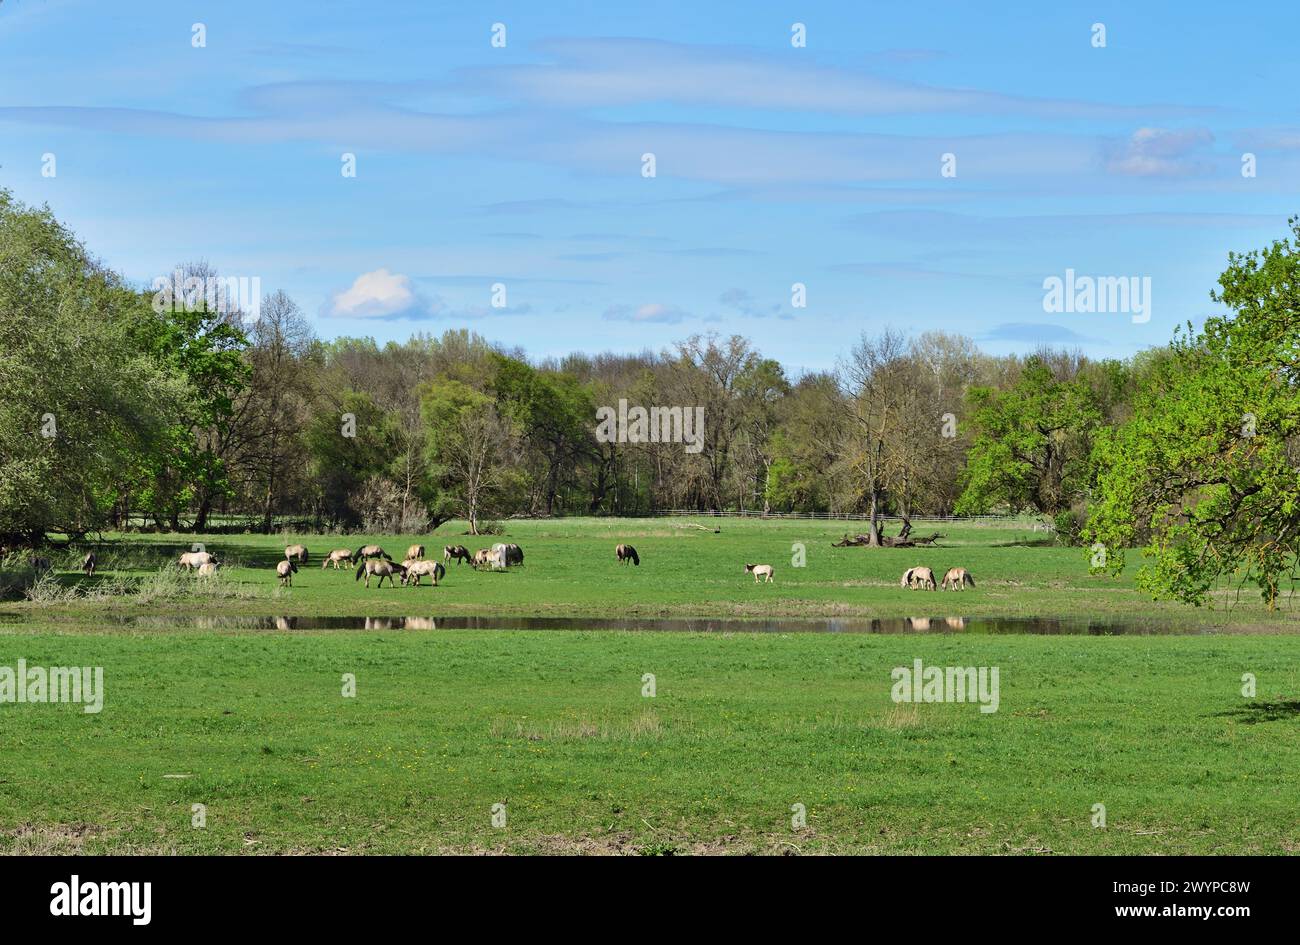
(992, 625)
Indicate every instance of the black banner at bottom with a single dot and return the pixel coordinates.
(149, 894)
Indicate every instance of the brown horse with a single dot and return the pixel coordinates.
(88, 564)
(626, 553)
(459, 552)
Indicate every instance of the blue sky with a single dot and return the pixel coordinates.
(522, 165)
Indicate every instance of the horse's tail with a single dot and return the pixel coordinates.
(361, 569)
(968, 579)
(636, 559)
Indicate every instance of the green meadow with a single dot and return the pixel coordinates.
(557, 731)
(687, 569)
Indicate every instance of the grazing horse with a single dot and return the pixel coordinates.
(415, 552)
(906, 580)
(366, 552)
(296, 553)
(381, 568)
(489, 558)
(626, 553)
(957, 578)
(40, 563)
(335, 557)
(922, 578)
(459, 552)
(88, 564)
(207, 568)
(510, 554)
(286, 569)
(764, 570)
(193, 559)
(416, 569)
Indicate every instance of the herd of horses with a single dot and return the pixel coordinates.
(923, 579)
(373, 561)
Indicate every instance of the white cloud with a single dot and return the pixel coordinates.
(379, 294)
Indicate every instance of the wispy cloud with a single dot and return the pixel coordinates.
(609, 71)
(1161, 152)
(1034, 333)
(650, 312)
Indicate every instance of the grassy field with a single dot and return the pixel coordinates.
(555, 726)
(570, 569)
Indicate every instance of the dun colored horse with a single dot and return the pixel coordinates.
(760, 570)
(337, 556)
(193, 559)
(286, 569)
(381, 568)
(416, 569)
(957, 579)
(918, 578)
(510, 554)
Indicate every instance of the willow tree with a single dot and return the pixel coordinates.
(1204, 475)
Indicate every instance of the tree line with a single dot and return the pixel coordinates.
(117, 412)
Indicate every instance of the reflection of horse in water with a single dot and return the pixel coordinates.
(421, 623)
(919, 623)
(956, 623)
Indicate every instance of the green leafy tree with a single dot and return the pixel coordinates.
(554, 412)
(343, 456)
(1203, 475)
(81, 401)
(469, 446)
(1031, 443)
